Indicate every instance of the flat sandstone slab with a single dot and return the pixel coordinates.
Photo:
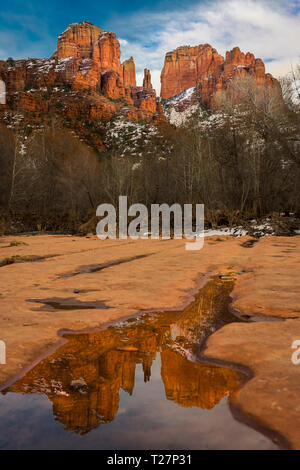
(129, 276)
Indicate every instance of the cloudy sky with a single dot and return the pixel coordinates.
(148, 29)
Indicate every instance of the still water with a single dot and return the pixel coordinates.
(139, 384)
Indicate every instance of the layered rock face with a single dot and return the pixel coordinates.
(184, 66)
(129, 72)
(204, 70)
(98, 53)
(147, 80)
(87, 60)
(78, 40)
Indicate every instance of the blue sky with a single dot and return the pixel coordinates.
(148, 29)
(35, 25)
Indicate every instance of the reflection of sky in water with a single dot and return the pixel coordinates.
(145, 388)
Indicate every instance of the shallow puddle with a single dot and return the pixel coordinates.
(249, 243)
(139, 384)
(68, 304)
(95, 268)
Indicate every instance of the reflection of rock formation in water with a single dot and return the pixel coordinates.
(195, 383)
(99, 360)
(106, 362)
(207, 313)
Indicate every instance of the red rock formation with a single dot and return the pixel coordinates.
(129, 72)
(204, 69)
(14, 76)
(111, 85)
(77, 40)
(87, 60)
(147, 80)
(85, 52)
(106, 53)
(31, 104)
(144, 99)
(195, 384)
(185, 65)
(159, 117)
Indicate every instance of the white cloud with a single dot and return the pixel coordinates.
(271, 30)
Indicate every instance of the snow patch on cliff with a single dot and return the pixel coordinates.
(180, 107)
(178, 118)
(185, 95)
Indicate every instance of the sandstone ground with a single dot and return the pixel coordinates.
(129, 276)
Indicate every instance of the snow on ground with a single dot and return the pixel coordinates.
(129, 137)
(178, 118)
(261, 230)
(237, 231)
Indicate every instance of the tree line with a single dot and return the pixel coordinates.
(241, 159)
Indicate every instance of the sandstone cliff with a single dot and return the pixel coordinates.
(129, 72)
(147, 80)
(84, 79)
(77, 40)
(207, 74)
